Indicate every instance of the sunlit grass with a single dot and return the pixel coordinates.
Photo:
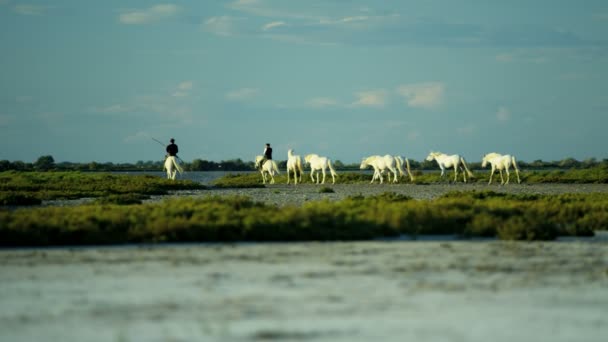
(214, 219)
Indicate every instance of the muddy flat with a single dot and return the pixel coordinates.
(385, 291)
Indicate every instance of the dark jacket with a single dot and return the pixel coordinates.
(172, 149)
(268, 153)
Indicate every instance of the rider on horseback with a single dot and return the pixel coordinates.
(267, 155)
(172, 148)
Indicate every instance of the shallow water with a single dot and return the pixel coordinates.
(385, 291)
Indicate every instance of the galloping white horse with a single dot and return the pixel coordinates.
(269, 167)
(294, 163)
(500, 162)
(320, 163)
(386, 163)
(444, 161)
(172, 166)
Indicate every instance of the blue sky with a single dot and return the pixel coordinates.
(97, 80)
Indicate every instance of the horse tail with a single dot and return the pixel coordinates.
(471, 175)
(275, 167)
(514, 163)
(178, 167)
(409, 172)
(331, 168)
(516, 168)
(299, 165)
(399, 163)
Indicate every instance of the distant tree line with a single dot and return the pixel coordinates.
(47, 163)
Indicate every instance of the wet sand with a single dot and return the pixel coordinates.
(384, 291)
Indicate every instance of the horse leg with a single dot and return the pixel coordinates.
(288, 176)
(323, 181)
(508, 176)
(456, 174)
(491, 174)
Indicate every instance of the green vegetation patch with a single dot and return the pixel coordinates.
(17, 187)
(216, 219)
(250, 180)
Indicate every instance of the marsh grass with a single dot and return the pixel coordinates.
(216, 219)
(26, 188)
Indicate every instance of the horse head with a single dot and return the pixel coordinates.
(484, 161)
(364, 164)
(307, 158)
(432, 156)
(257, 161)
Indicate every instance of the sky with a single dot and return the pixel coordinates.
(97, 81)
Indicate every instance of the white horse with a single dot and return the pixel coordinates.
(444, 161)
(386, 163)
(320, 163)
(172, 166)
(500, 162)
(269, 167)
(294, 163)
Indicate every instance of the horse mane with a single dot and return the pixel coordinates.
(492, 155)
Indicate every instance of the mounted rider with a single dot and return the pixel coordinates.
(172, 149)
(267, 155)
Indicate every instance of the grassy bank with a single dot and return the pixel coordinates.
(596, 175)
(28, 188)
(472, 214)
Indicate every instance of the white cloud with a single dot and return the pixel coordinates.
(522, 56)
(371, 98)
(423, 95)
(272, 25)
(505, 58)
(112, 109)
(222, 26)
(30, 9)
(242, 94)
(148, 15)
(186, 85)
(183, 89)
(322, 102)
(503, 114)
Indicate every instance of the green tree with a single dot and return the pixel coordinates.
(44, 163)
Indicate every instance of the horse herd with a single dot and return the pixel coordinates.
(381, 164)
